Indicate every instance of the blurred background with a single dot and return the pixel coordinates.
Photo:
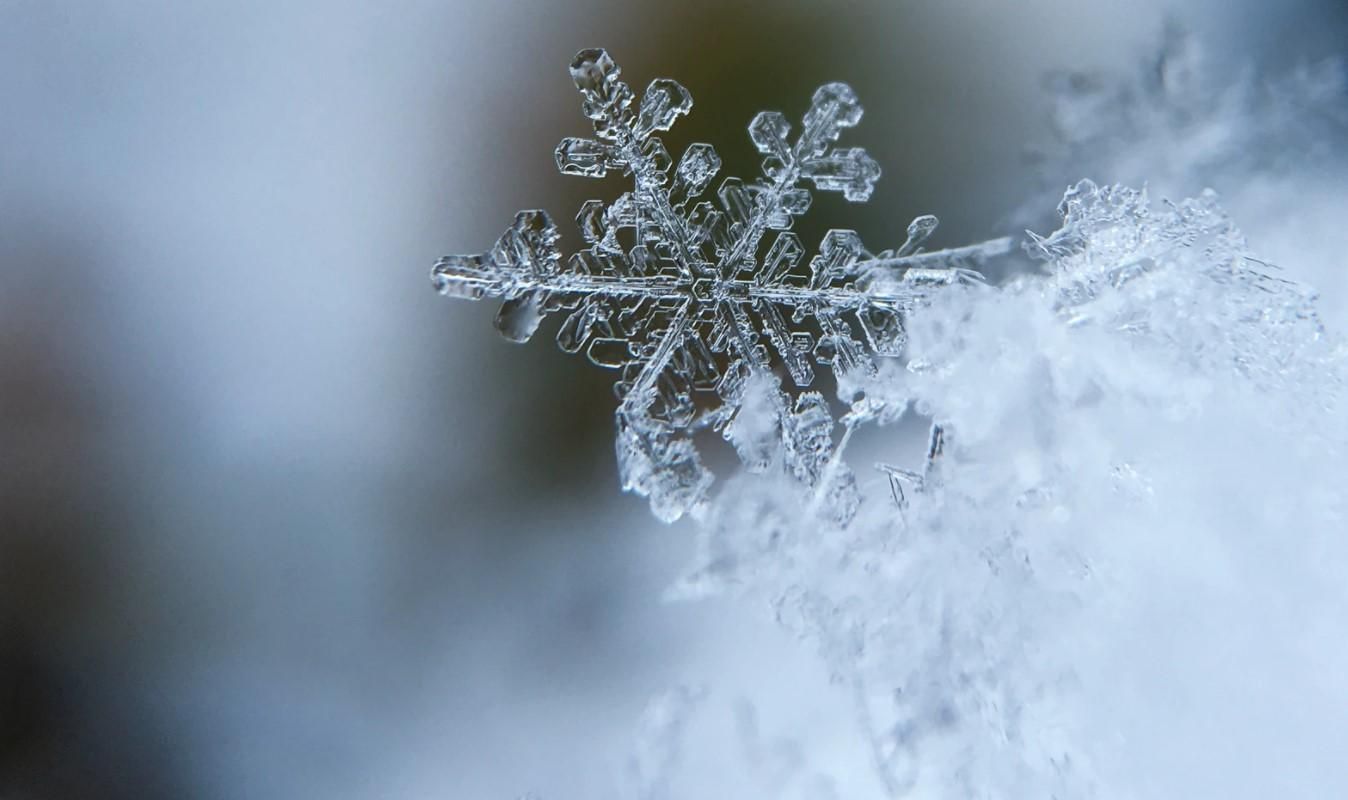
(278, 521)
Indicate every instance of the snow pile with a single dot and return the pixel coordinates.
(1122, 576)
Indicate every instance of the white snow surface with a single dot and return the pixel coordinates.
(1124, 576)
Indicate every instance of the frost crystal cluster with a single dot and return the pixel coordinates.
(1121, 575)
(1271, 144)
(696, 301)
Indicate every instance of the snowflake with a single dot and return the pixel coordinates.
(680, 296)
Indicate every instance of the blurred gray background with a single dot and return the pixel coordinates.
(275, 519)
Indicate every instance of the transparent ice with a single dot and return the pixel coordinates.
(695, 302)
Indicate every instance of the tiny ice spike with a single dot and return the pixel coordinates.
(685, 298)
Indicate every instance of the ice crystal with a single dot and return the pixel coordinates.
(1095, 520)
(688, 299)
(1206, 296)
(1271, 142)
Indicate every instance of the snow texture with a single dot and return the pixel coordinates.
(1117, 571)
(1120, 573)
(683, 299)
